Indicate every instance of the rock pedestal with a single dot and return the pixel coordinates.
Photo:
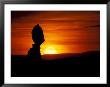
(38, 39)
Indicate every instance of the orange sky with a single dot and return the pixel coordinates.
(65, 31)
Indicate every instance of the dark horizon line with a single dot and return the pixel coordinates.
(62, 53)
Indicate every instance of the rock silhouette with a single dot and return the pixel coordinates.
(38, 39)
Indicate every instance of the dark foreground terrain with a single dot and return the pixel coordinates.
(70, 65)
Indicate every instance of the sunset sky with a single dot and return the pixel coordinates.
(64, 31)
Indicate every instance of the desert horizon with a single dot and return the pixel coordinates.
(55, 43)
(59, 56)
(57, 65)
(64, 31)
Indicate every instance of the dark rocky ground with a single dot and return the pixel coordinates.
(76, 65)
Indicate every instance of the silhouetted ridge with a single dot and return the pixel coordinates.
(82, 65)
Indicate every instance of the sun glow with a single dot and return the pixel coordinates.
(50, 50)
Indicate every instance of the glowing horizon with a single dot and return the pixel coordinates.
(64, 31)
